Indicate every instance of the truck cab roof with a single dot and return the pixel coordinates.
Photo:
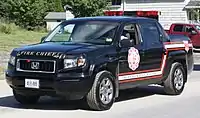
(110, 18)
(190, 24)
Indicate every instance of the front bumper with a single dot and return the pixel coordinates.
(72, 86)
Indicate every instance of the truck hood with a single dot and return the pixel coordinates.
(57, 47)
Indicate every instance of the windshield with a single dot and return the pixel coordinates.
(198, 27)
(95, 32)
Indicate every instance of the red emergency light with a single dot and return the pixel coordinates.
(147, 13)
(133, 13)
(114, 13)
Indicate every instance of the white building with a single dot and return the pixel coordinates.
(169, 11)
(54, 18)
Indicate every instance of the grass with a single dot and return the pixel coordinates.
(19, 38)
(2, 70)
(12, 37)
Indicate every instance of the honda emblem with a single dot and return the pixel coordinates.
(35, 65)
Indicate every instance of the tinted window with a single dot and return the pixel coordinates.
(130, 32)
(178, 28)
(150, 33)
(164, 36)
(189, 29)
(95, 32)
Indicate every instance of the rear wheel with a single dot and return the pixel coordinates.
(175, 82)
(102, 94)
(26, 99)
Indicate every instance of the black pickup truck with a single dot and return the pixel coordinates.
(93, 58)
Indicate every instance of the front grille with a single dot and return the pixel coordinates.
(30, 65)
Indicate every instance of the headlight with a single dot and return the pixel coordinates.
(12, 60)
(70, 63)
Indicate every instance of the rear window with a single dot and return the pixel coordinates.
(178, 28)
(151, 33)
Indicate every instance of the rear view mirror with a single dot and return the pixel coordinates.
(193, 32)
(42, 39)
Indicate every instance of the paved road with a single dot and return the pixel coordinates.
(139, 103)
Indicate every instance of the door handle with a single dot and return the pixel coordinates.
(142, 52)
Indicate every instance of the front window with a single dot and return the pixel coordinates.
(94, 32)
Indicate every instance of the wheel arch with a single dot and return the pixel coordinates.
(179, 56)
(110, 67)
(184, 64)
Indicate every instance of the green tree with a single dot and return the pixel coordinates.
(195, 14)
(50, 5)
(28, 13)
(83, 8)
(4, 9)
(58, 6)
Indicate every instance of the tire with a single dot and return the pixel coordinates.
(170, 86)
(95, 96)
(25, 100)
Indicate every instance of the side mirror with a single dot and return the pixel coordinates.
(42, 39)
(125, 42)
(193, 32)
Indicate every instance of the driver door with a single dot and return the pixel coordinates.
(131, 55)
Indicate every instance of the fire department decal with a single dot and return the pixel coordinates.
(133, 58)
(142, 75)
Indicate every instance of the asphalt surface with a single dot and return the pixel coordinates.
(143, 102)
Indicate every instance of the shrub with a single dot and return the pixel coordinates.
(8, 28)
(40, 29)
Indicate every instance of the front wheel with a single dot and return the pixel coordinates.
(26, 99)
(102, 94)
(175, 82)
